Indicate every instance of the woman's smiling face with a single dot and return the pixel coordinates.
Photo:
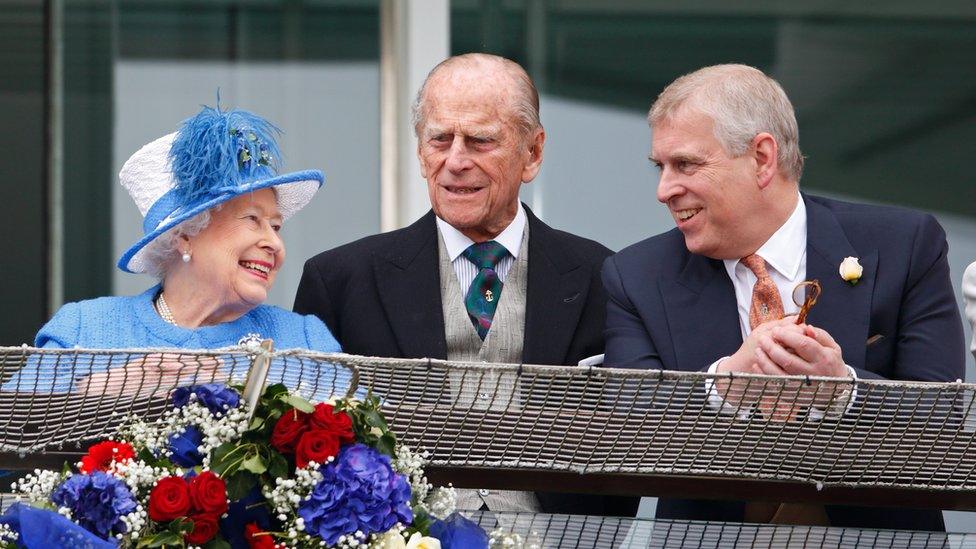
(239, 253)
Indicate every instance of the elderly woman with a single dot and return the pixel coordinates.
(213, 204)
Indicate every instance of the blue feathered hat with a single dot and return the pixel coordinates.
(214, 157)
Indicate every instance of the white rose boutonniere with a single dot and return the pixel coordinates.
(851, 270)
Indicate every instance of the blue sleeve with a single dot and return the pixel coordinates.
(43, 374)
(931, 341)
(62, 331)
(628, 345)
(318, 337)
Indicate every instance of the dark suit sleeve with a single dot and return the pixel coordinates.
(313, 298)
(628, 344)
(931, 345)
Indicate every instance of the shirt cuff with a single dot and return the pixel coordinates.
(838, 406)
(716, 401)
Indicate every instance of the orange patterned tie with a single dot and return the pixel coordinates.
(766, 305)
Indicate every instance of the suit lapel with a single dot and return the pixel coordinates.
(843, 310)
(557, 291)
(408, 282)
(701, 314)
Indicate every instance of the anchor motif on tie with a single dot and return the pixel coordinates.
(489, 297)
(765, 310)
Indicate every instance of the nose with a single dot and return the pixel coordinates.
(668, 187)
(457, 157)
(272, 243)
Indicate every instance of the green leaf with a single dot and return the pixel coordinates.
(278, 467)
(181, 526)
(254, 463)
(256, 423)
(298, 403)
(274, 390)
(375, 419)
(387, 445)
(162, 539)
(239, 484)
(217, 543)
(224, 460)
(421, 521)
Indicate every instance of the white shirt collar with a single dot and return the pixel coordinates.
(511, 237)
(784, 250)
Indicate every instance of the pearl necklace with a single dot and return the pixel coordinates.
(164, 311)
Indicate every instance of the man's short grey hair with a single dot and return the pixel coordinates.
(164, 251)
(525, 100)
(743, 102)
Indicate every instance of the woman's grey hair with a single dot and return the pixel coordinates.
(743, 102)
(161, 253)
(525, 99)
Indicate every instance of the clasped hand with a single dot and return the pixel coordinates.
(784, 348)
(152, 373)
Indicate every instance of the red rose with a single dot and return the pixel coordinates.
(204, 528)
(258, 538)
(290, 427)
(317, 446)
(208, 493)
(169, 499)
(327, 419)
(101, 456)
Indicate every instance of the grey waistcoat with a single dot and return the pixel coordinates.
(503, 344)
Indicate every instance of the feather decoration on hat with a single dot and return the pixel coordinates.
(216, 149)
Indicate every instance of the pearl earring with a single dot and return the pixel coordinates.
(186, 256)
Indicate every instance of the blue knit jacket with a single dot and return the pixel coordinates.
(132, 322)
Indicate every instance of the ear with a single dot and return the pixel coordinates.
(535, 143)
(765, 151)
(423, 162)
(183, 243)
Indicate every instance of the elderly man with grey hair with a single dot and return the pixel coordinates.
(716, 293)
(479, 277)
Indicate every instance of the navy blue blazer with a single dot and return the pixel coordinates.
(381, 296)
(674, 310)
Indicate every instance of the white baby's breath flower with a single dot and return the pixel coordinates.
(393, 539)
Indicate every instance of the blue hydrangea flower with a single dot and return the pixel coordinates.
(97, 501)
(358, 491)
(214, 396)
(185, 447)
(457, 532)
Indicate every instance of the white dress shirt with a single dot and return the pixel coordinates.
(969, 298)
(786, 258)
(456, 243)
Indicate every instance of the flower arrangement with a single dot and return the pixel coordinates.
(210, 474)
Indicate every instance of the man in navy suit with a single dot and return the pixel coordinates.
(726, 142)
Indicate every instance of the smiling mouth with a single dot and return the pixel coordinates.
(685, 215)
(462, 190)
(258, 268)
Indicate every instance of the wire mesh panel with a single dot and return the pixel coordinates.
(821, 431)
(571, 531)
(52, 398)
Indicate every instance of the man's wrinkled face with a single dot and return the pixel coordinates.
(708, 192)
(472, 152)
